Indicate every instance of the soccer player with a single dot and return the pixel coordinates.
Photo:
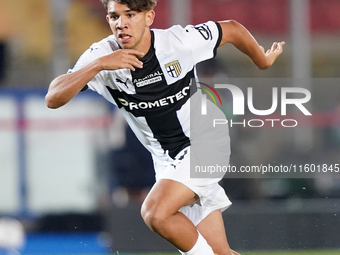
(148, 74)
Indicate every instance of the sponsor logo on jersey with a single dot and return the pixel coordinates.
(130, 106)
(174, 69)
(123, 82)
(204, 31)
(127, 83)
(148, 82)
(149, 79)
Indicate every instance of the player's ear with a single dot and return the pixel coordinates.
(150, 16)
(107, 18)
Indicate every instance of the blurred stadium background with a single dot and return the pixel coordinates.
(72, 180)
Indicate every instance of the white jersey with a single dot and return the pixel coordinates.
(156, 99)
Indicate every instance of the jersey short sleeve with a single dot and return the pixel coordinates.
(97, 50)
(204, 40)
(87, 57)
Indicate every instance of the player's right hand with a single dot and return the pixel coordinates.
(121, 59)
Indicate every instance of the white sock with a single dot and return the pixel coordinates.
(201, 247)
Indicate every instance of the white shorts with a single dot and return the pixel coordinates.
(211, 195)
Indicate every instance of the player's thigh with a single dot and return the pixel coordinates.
(212, 229)
(166, 197)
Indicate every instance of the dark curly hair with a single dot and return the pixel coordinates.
(134, 5)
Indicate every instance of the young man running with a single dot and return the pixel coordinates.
(148, 74)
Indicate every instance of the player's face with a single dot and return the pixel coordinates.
(131, 28)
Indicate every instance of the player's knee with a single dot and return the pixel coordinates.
(153, 218)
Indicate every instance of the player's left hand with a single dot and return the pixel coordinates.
(274, 52)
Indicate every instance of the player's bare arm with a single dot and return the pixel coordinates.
(233, 32)
(63, 88)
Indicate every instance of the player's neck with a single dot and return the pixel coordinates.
(145, 42)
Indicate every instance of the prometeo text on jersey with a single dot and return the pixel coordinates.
(158, 103)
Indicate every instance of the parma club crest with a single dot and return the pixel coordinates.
(174, 69)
